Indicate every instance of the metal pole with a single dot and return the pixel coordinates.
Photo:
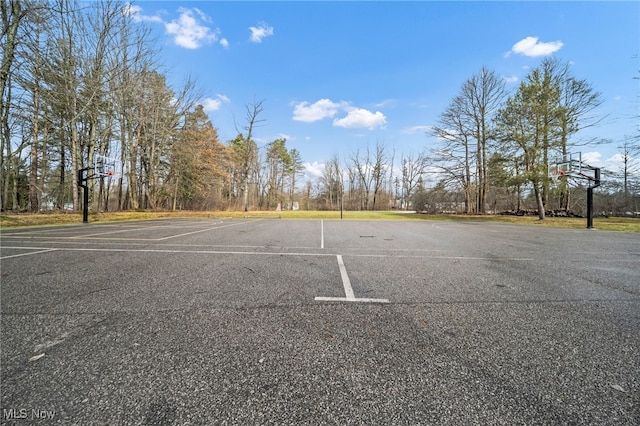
(595, 184)
(82, 182)
(589, 207)
(85, 204)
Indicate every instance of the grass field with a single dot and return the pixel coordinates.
(21, 220)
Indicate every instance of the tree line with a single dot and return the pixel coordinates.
(497, 147)
(81, 81)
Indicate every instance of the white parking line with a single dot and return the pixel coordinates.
(118, 231)
(200, 230)
(27, 254)
(96, 237)
(348, 290)
(346, 299)
(126, 250)
(346, 282)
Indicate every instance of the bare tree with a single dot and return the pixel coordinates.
(246, 150)
(455, 152)
(132, 57)
(578, 102)
(332, 182)
(35, 86)
(414, 167)
(629, 150)
(13, 17)
(483, 94)
(466, 130)
(295, 167)
(278, 163)
(362, 166)
(378, 172)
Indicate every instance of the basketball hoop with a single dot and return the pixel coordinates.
(557, 173)
(572, 166)
(105, 167)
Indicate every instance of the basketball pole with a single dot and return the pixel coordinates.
(590, 207)
(82, 182)
(576, 169)
(592, 184)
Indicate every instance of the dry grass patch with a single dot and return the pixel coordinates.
(42, 219)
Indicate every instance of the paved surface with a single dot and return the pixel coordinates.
(319, 322)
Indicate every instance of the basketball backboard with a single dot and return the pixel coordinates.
(572, 166)
(105, 166)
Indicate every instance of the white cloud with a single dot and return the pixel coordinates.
(203, 15)
(415, 129)
(617, 162)
(130, 9)
(386, 103)
(313, 170)
(261, 31)
(610, 162)
(223, 98)
(187, 30)
(135, 12)
(210, 104)
(530, 46)
(361, 118)
(591, 158)
(618, 158)
(324, 108)
(512, 79)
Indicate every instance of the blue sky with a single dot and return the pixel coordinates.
(340, 76)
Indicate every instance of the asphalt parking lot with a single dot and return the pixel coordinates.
(319, 322)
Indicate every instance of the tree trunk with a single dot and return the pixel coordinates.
(245, 194)
(33, 179)
(133, 170)
(10, 29)
(539, 201)
(75, 163)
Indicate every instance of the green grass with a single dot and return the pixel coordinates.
(601, 223)
(24, 219)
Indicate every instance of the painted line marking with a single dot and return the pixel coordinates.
(348, 290)
(119, 231)
(27, 254)
(201, 230)
(515, 259)
(346, 282)
(283, 253)
(116, 250)
(346, 299)
(19, 236)
(120, 244)
(133, 250)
